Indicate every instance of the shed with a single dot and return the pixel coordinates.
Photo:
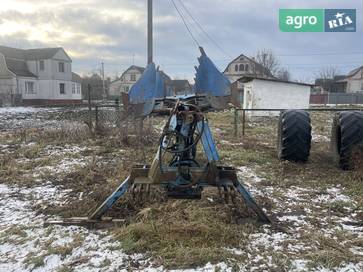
(264, 93)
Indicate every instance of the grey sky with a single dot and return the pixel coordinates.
(114, 31)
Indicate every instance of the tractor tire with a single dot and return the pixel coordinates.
(347, 138)
(294, 136)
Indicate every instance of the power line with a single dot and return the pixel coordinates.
(203, 30)
(185, 23)
(320, 54)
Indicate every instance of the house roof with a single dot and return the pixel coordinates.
(14, 53)
(139, 68)
(353, 72)
(76, 78)
(29, 54)
(18, 67)
(258, 66)
(179, 84)
(16, 58)
(41, 53)
(245, 79)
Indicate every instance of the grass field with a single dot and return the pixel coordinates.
(49, 172)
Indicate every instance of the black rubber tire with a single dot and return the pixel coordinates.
(294, 136)
(347, 137)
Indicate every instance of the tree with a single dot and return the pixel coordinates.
(267, 59)
(326, 76)
(95, 81)
(284, 74)
(328, 72)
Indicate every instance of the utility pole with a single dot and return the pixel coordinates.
(103, 81)
(149, 31)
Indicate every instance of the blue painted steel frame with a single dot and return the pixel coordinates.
(208, 143)
(213, 157)
(107, 204)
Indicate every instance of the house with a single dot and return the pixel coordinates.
(180, 87)
(268, 93)
(37, 76)
(128, 78)
(125, 82)
(354, 80)
(330, 85)
(245, 66)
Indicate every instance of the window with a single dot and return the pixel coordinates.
(236, 68)
(126, 88)
(241, 67)
(73, 88)
(29, 87)
(41, 65)
(62, 89)
(133, 77)
(61, 67)
(78, 88)
(246, 67)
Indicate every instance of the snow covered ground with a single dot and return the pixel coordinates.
(13, 118)
(304, 214)
(27, 245)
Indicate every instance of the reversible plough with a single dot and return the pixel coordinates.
(176, 168)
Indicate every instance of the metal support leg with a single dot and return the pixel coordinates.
(246, 195)
(107, 204)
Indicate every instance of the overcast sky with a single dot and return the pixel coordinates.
(114, 31)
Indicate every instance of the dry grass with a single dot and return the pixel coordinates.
(181, 233)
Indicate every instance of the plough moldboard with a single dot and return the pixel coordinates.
(176, 168)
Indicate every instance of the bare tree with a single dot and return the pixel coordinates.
(328, 72)
(283, 74)
(326, 76)
(268, 60)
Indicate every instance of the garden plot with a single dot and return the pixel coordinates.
(315, 207)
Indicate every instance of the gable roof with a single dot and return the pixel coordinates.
(16, 58)
(30, 54)
(355, 71)
(14, 53)
(180, 83)
(41, 53)
(257, 65)
(139, 68)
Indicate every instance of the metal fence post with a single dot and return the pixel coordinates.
(235, 122)
(96, 117)
(118, 117)
(243, 122)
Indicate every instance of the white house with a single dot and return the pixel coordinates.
(354, 80)
(125, 82)
(245, 66)
(38, 76)
(129, 78)
(263, 93)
